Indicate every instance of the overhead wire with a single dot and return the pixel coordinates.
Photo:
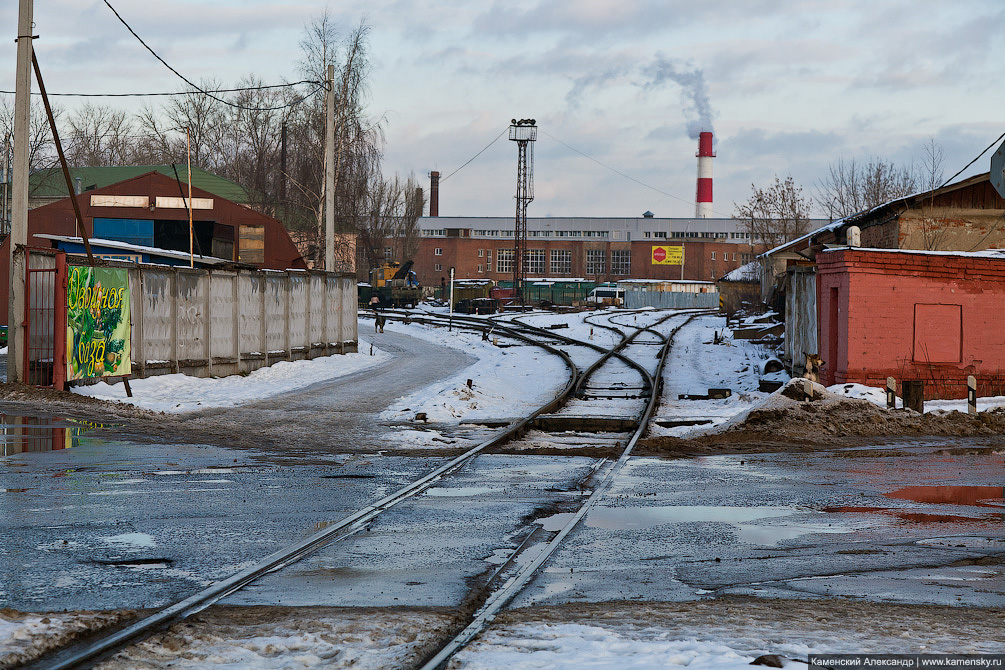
(199, 92)
(187, 80)
(476, 155)
(978, 157)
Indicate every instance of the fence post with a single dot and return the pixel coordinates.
(891, 392)
(308, 290)
(137, 343)
(324, 314)
(175, 367)
(263, 328)
(208, 319)
(59, 325)
(286, 316)
(914, 395)
(235, 291)
(971, 394)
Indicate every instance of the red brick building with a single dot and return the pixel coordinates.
(600, 249)
(912, 315)
(149, 210)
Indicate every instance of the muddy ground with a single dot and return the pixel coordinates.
(786, 423)
(791, 421)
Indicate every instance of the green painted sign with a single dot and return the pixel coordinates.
(97, 323)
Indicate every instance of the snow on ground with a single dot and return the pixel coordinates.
(506, 381)
(878, 396)
(182, 393)
(697, 364)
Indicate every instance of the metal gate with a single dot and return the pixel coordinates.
(45, 319)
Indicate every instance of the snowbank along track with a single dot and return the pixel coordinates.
(607, 365)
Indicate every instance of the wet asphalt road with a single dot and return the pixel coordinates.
(109, 524)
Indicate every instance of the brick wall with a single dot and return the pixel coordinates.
(933, 317)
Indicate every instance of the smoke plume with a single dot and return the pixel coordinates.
(694, 92)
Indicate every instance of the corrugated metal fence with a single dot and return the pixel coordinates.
(800, 317)
(671, 300)
(222, 322)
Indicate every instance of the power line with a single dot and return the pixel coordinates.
(626, 176)
(188, 81)
(476, 155)
(199, 92)
(974, 160)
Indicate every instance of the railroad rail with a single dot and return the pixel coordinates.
(510, 577)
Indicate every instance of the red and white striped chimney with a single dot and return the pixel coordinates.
(703, 196)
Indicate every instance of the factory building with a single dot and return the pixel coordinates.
(600, 249)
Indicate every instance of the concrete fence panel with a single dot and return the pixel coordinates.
(221, 322)
(671, 300)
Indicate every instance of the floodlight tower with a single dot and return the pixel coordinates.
(523, 132)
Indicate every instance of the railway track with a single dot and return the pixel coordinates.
(595, 371)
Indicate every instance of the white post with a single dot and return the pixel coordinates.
(971, 394)
(329, 188)
(450, 321)
(19, 197)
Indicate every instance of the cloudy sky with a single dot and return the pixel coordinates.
(616, 86)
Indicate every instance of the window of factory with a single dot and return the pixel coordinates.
(504, 260)
(437, 267)
(479, 267)
(533, 262)
(436, 232)
(660, 233)
(488, 260)
(713, 255)
(596, 262)
(561, 261)
(481, 252)
(438, 251)
(388, 253)
(621, 261)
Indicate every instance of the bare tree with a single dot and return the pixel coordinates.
(98, 135)
(930, 176)
(850, 188)
(776, 214)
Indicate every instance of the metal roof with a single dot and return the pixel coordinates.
(49, 183)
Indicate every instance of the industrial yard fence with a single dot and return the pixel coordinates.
(222, 322)
(671, 300)
(202, 322)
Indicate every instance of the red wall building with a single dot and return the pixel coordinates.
(232, 232)
(929, 316)
(474, 258)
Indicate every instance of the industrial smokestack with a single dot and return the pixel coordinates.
(703, 196)
(434, 193)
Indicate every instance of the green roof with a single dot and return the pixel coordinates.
(50, 183)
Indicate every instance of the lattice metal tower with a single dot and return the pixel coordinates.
(523, 132)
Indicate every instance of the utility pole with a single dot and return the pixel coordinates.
(330, 172)
(19, 197)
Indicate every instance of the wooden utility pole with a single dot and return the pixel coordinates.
(330, 172)
(191, 246)
(19, 197)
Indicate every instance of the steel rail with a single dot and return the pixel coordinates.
(346, 526)
(505, 594)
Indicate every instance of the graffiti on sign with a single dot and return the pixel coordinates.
(97, 323)
(663, 255)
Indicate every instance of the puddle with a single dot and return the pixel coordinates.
(914, 516)
(973, 496)
(742, 519)
(459, 491)
(134, 539)
(22, 433)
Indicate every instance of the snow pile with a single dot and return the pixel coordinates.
(272, 638)
(183, 393)
(24, 637)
